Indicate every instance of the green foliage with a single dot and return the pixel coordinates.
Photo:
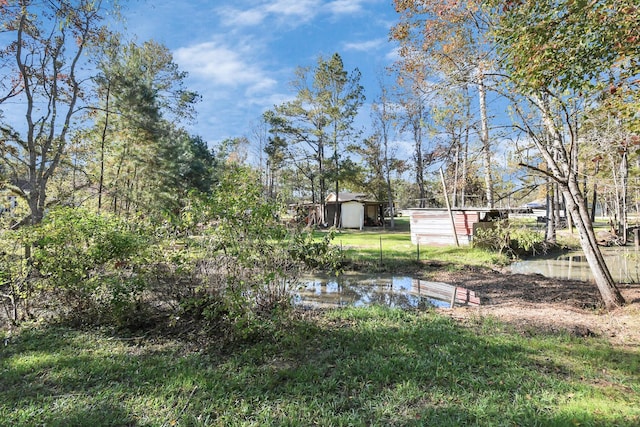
(247, 261)
(227, 263)
(89, 263)
(142, 159)
(195, 165)
(526, 240)
(494, 238)
(316, 253)
(47, 93)
(567, 44)
(318, 123)
(505, 237)
(15, 288)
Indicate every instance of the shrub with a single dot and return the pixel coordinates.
(227, 264)
(15, 291)
(525, 241)
(249, 262)
(506, 238)
(90, 265)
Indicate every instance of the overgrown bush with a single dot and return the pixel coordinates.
(228, 265)
(250, 262)
(503, 237)
(236, 292)
(89, 265)
(525, 241)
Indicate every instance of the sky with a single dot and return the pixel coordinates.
(241, 55)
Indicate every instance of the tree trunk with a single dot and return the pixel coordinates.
(102, 147)
(390, 198)
(465, 164)
(465, 154)
(392, 208)
(551, 214)
(577, 206)
(557, 202)
(270, 177)
(622, 212)
(417, 137)
(484, 137)
(558, 163)
(454, 195)
(336, 214)
(322, 184)
(594, 201)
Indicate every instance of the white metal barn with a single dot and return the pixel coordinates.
(435, 226)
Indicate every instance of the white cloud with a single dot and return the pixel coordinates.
(269, 100)
(393, 55)
(244, 18)
(341, 7)
(222, 65)
(366, 46)
(292, 12)
(304, 9)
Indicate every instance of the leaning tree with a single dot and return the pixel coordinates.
(560, 55)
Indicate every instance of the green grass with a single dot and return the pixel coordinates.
(359, 367)
(391, 250)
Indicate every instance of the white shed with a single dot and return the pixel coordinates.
(352, 215)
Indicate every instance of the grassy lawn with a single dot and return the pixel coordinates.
(357, 367)
(385, 249)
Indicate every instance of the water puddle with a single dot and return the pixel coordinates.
(623, 263)
(393, 291)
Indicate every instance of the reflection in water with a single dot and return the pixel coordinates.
(364, 290)
(623, 263)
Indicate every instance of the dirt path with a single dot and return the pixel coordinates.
(533, 302)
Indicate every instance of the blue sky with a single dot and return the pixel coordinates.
(241, 54)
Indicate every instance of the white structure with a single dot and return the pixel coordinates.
(352, 215)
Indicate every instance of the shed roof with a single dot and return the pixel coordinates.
(465, 209)
(347, 197)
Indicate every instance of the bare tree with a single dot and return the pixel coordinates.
(44, 63)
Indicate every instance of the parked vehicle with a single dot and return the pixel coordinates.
(392, 211)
